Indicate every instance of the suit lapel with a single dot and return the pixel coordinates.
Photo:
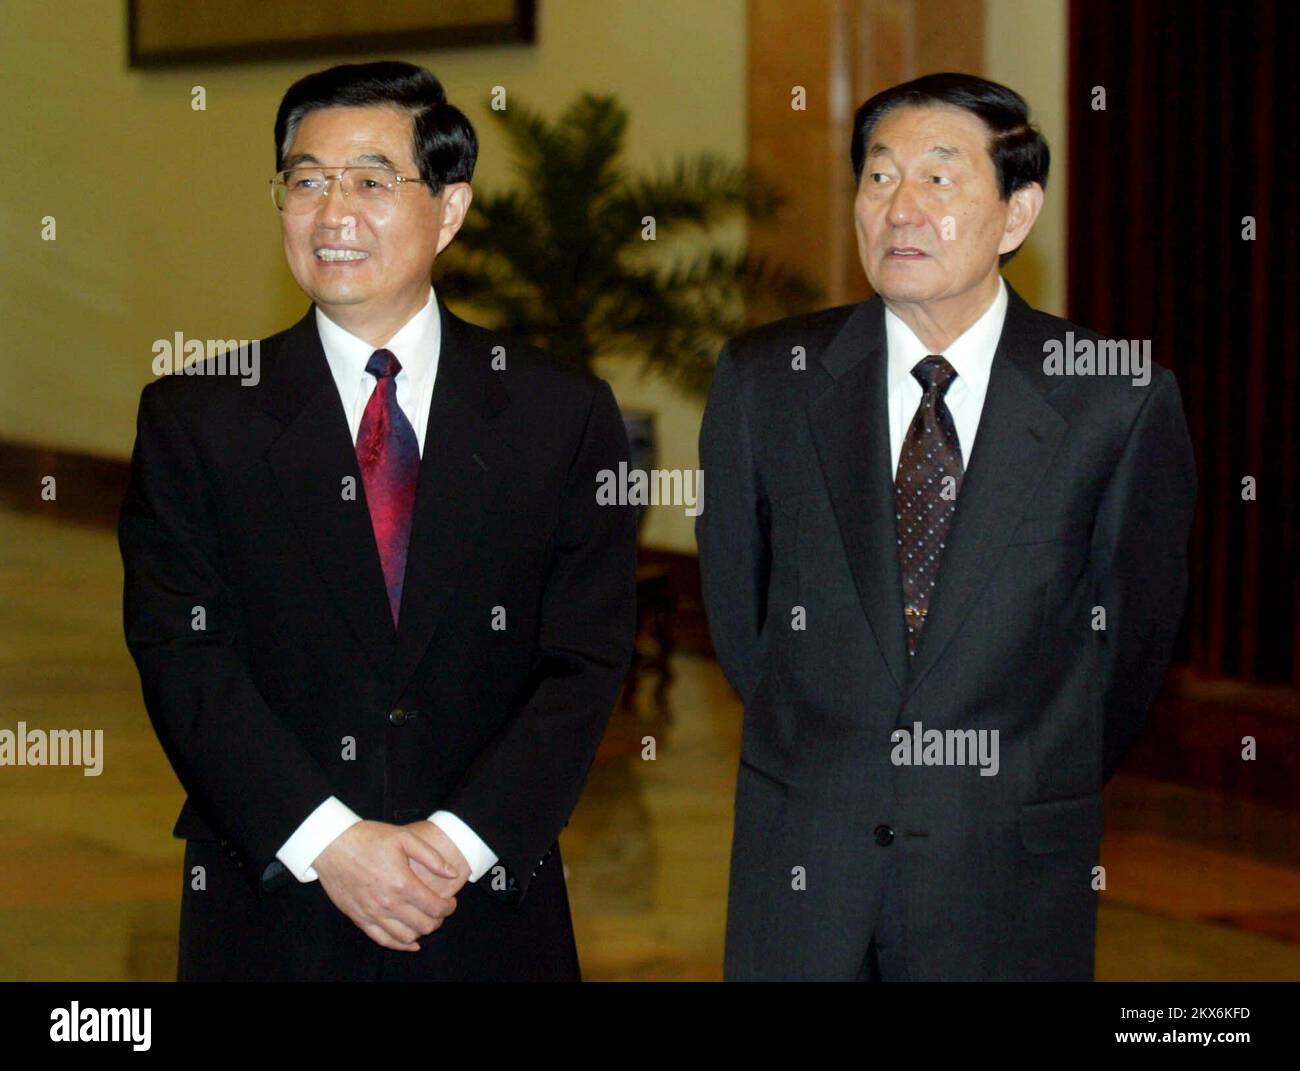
(1018, 433)
(850, 427)
(1017, 436)
(465, 457)
(460, 470)
(310, 460)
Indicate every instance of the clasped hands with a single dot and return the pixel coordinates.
(396, 883)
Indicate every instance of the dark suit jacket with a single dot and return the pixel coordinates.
(1078, 493)
(236, 505)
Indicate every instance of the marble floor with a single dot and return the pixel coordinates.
(1198, 887)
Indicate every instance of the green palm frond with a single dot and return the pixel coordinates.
(562, 261)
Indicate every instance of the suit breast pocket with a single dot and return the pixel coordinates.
(1036, 529)
(1033, 533)
(514, 519)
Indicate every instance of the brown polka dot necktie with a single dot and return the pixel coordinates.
(925, 492)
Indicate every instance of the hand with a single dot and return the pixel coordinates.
(368, 873)
(432, 834)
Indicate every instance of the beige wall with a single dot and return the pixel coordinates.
(1025, 48)
(164, 222)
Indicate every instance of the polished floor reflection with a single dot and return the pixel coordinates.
(1197, 887)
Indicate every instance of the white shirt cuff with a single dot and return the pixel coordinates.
(317, 832)
(481, 858)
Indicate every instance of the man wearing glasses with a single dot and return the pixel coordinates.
(379, 618)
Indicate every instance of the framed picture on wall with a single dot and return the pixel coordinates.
(173, 32)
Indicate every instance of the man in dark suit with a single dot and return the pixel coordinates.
(379, 618)
(944, 570)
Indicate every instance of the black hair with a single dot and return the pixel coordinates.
(444, 144)
(1020, 154)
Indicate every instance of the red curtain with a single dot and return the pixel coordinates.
(1199, 131)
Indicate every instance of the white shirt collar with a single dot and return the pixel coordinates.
(971, 353)
(416, 346)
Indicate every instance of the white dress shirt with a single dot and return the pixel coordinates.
(416, 346)
(971, 354)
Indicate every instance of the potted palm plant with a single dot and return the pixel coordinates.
(587, 258)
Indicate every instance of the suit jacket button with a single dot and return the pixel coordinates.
(397, 717)
(884, 835)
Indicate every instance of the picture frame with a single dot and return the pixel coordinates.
(169, 33)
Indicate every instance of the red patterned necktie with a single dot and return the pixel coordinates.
(925, 492)
(388, 455)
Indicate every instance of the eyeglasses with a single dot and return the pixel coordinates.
(302, 189)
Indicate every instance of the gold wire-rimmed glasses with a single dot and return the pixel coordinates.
(302, 189)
